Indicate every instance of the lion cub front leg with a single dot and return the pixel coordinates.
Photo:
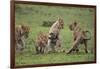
(74, 46)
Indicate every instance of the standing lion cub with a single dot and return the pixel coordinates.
(79, 37)
(21, 33)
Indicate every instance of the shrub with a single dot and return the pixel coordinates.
(47, 23)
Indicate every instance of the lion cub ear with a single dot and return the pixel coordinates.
(75, 23)
(22, 26)
(60, 20)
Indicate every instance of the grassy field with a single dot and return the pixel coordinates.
(34, 15)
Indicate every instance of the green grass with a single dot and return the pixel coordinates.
(34, 16)
(29, 58)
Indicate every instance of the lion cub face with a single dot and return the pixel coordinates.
(61, 23)
(42, 39)
(25, 31)
(72, 26)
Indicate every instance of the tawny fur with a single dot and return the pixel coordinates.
(21, 33)
(79, 37)
(54, 30)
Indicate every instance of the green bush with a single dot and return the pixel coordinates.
(47, 23)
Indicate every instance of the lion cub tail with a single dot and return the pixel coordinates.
(87, 34)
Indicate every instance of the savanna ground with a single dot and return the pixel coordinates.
(35, 15)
